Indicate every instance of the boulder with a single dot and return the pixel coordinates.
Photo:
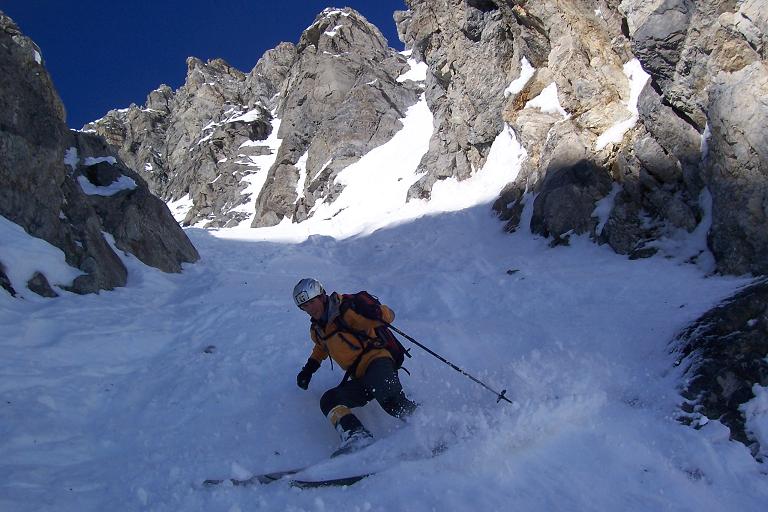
(139, 222)
(38, 192)
(49, 175)
(567, 199)
(40, 285)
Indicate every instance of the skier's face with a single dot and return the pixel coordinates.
(315, 307)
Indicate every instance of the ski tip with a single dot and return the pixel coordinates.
(335, 482)
(226, 482)
(212, 482)
(266, 478)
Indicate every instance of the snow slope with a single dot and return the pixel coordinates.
(112, 401)
(127, 400)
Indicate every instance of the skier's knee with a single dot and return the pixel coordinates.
(328, 401)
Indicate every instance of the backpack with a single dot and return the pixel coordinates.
(367, 305)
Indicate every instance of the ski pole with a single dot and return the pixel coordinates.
(500, 396)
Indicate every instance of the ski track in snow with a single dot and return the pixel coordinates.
(111, 401)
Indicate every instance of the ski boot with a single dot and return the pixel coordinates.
(354, 437)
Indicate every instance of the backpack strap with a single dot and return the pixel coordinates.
(343, 326)
(346, 303)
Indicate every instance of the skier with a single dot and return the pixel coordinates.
(349, 338)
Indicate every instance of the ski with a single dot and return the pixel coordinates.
(268, 478)
(333, 482)
(264, 478)
(350, 480)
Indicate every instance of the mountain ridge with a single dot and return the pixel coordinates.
(648, 142)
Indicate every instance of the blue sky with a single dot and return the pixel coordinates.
(105, 55)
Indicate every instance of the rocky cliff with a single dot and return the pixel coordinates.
(69, 188)
(649, 110)
(669, 145)
(329, 99)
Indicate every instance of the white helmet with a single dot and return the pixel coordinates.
(306, 290)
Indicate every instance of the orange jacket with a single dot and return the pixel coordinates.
(343, 346)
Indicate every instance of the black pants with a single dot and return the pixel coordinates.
(380, 382)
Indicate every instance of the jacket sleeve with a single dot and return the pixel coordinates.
(319, 352)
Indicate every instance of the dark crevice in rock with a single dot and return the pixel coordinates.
(682, 115)
(483, 5)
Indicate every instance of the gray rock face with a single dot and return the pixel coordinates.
(720, 375)
(683, 43)
(751, 21)
(340, 100)
(475, 50)
(263, 82)
(719, 82)
(659, 39)
(335, 94)
(191, 142)
(695, 53)
(209, 122)
(39, 192)
(737, 170)
(470, 52)
(659, 170)
(138, 133)
(577, 51)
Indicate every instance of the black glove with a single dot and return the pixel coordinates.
(305, 375)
